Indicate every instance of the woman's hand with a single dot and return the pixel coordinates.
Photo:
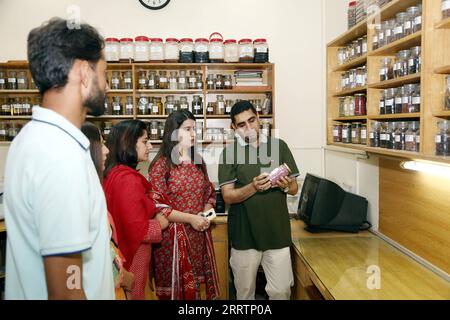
(128, 280)
(162, 221)
(198, 222)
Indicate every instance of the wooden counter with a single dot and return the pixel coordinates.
(358, 267)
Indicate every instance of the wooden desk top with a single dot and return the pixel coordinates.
(345, 265)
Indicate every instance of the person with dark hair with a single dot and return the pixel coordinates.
(138, 219)
(58, 235)
(184, 262)
(258, 219)
(123, 280)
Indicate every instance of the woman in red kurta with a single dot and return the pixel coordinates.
(137, 220)
(185, 261)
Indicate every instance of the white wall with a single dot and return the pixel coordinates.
(292, 27)
(349, 169)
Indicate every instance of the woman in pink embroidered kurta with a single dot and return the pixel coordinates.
(187, 187)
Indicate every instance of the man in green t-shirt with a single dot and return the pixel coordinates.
(258, 220)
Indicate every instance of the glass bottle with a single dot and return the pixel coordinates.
(374, 135)
(258, 106)
(418, 19)
(389, 31)
(154, 130)
(142, 106)
(197, 105)
(219, 83)
(2, 80)
(158, 105)
(337, 133)
(415, 100)
(407, 98)
(3, 131)
(398, 101)
(386, 71)
(220, 107)
(347, 133)
(184, 105)
(399, 31)
(381, 38)
(173, 80)
(117, 106)
(210, 82)
(115, 80)
(183, 80)
(128, 80)
(163, 81)
(192, 80)
(415, 61)
(228, 105)
(356, 133)
(382, 103)
(360, 104)
(108, 107)
(447, 95)
(170, 104)
(142, 80)
(161, 125)
(129, 105)
(412, 143)
(364, 134)
(443, 139)
(383, 135)
(22, 80)
(375, 43)
(26, 106)
(211, 108)
(411, 13)
(150, 106)
(153, 82)
(12, 80)
(228, 84)
(400, 136)
(341, 107)
(390, 135)
(199, 80)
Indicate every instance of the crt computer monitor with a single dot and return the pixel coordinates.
(324, 206)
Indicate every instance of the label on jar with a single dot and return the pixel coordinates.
(169, 106)
(106, 131)
(216, 49)
(197, 107)
(117, 108)
(353, 134)
(398, 66)
(261, 49)
(371, 135)
(210, 109)
(201, 48)
(228, 109)
(12, 80)
(364, 47)
(151, 82)
(153, 131)
(397, 138)
(2, 132)
(445, 5)
(352, 52)
(416, 100)
(438, 139)
(142, 107)
(155, 109)
(383, 72)
(129, 106)
(375, 39)
(398, 30)
(360, 80)
(21, 81)
(227, 83)
(142, 81)
(398, 100)
(192, 80)
(156, 49)
(381, 36)
(127, 80)
(182, 80)
(418, 19)
(344, 134)
(115, 81)
(162, 132)
(173, 80)
(2, 81)
(163, 80)
(417, 139)
(363, 134)
(388, 33)
(405, 100)
(409, 138)
(407, 25)
(335, 133)
(389, 102)
(246, 51)
(140, 48)
(383, 137)
(381, 104)
(26, 106)
(411, 62)
(184, 106)
(218, 83)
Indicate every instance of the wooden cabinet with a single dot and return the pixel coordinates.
(220, 241)
(434, 40)
(304, 288)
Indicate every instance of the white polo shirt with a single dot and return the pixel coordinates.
(54, 205)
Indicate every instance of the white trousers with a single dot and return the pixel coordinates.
(277, 267)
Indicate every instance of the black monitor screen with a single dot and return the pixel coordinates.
(307, 197)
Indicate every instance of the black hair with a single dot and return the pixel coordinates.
(240, 107)
(174, 122)
(121, 143)
(92, 132)
(53, 48)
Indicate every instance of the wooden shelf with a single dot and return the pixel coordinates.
(396, 46)
(357, 31)
(397, 82)
(28, 91)
(442, 70)
(150, 116)
(351, 64)
(159, 91)
(350, 91)
(349, 119)
(2, 226)
(15, 117)
(381, 151)
(392, 8)
(110, 117)
(442, 114)
(5, 143)
(444, 24)
(361, 147)
(119, 91)
(242, 90)
(396, 116)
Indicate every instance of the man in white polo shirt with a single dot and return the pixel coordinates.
(58, 234)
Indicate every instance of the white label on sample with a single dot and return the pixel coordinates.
(383, 137)
(417, 139)
(116, 107)
(21, 81)
(418, 20)
(197, 107)
(364, 47)
(389, 102)
(192, 80)
(12, 80)
(142, 81)
(162, 79)
(363, 134)
(397, 138)
(182, 80)
(335, 133)
(154, 131)
(201, 48)
(155, 109)
(2, 132)
(140, 48)
(129, 106)
(261, 50)
(409, 138)
(388, 33)
(2, 81)
(405, 100)
(344, 134)
(416, 100)
(438, 139)
(398, 30)
(115, 81)
(407, 25)
(398, 100)
(127, 80)
(151, 82)
(372, 135)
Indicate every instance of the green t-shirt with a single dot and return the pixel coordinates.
(262, 221)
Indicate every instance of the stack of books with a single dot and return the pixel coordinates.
(248, 78)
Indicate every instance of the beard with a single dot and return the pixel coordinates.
(95, 102)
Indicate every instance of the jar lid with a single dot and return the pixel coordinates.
(156, 40)
(141, 38)
(186, 40)
(245, 41)
(216, 40)
(260, 41)
(171, 40)
(126, 40)
(112, 40)
(230, 41)
(201, 40)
